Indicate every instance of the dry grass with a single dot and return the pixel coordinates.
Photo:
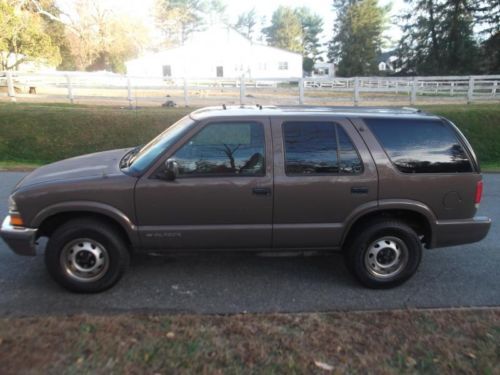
(459, 341)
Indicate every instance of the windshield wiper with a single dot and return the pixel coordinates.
(127, 158)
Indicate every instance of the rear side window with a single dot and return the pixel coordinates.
(421, 146)
(319, 148)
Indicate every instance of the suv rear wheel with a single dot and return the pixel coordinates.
(385, 254)
(86, 256)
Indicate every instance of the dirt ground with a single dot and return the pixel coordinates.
(227, 95)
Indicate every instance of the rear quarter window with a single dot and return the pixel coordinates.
(421, 146)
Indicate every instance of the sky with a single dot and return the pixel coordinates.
(144, 9)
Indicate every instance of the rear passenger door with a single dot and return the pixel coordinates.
(323, 173)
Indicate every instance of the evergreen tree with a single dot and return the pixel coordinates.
(312, 26)
(487, 13)
(357, 36)
(285, 30)
(438, 38)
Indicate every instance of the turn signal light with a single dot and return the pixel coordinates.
(16, 220)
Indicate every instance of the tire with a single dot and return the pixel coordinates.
(384, 254)
(86, 256)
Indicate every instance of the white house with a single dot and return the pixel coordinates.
(323, 70)
(219, 51)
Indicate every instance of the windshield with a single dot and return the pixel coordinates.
(151, 151)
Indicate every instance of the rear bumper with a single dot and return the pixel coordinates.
(20, 240)
(458, 232)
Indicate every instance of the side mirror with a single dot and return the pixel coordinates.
(171, 169)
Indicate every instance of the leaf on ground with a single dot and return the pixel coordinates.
(471, 355)
(323, 366)
(170, 335)
(411, 362)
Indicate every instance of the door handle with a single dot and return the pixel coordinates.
(359, 190)
(261, 191)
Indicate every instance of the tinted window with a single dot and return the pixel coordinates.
(349, 158)
(421, 146)
(316, 148)
(151, 151)
(223, 149)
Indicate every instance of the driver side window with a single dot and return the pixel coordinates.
(224, 149)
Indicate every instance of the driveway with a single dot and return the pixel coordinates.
(234, 283)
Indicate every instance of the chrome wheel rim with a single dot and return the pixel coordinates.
(84, 260)
(386, 257)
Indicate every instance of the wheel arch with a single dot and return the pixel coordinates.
(416, 214)
(51, 217)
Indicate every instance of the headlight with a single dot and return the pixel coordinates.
(12, 205)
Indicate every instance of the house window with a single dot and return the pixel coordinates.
(220, 71)
(167, 71)
(283, 65)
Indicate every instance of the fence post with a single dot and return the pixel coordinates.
(356, 91)
(494, 89)
(10, 87)
(452, 89)
(414, 87)
(301, 91)
(129, 93)
(242, 90)
(470, 91)
(186, 102)
(70, 89)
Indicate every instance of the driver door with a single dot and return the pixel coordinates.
(222, 195)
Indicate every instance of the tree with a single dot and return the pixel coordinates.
(312, 26)
(24, 37)
(215, 11)
(179, 18)
(438, 38)
(487, 14)
(101, 38)
(246, 23)
(357, 38)
(285, 30)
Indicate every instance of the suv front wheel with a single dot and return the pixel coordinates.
(384, 254)
(86, 255)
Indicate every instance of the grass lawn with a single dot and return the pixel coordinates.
(453, 341)
(43, 133)
(34, 134)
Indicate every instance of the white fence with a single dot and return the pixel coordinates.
(107, 88)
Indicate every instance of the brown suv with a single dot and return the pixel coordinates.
(378, 184)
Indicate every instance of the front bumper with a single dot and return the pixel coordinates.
(458, 232)
(21, 240)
